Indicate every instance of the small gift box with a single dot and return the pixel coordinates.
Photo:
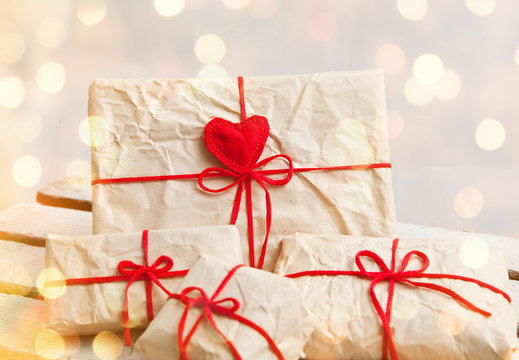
(307, 153)
(227, 311)
(376, 298)
(116, 281)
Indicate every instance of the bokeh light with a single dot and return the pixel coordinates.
(468, 202)
(51, 32)
(490, 134)
(321, 26)
(391, 57)
(449, 86)
(26, 171)
(107, 346)
(481, 7)
(395, 123)
(84, 131)
(12, 92)
(78, 167)
(91, 12)
(418, 93)
(262, 9)
(12, 47)
(169, 8)
(51, 77)
(405, 307)
(210, 49)
(212, 71)
(452, 321)
(28, 128)
(49, 344)
(412, 9)
(474, 252)
(428, 69)
(54, 290)
(236, 4)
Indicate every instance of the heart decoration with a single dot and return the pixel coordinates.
(237, 145)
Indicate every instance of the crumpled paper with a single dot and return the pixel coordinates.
(156, 127)
(89, 309)
(271, 301)
(426, 324)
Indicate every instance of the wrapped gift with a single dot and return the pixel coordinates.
(306, 153)
(378, 298)
(116, 281)
(224, 311)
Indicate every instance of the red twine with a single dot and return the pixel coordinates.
(209, 306)
(243, 181)
(132, 272)
(402, 276)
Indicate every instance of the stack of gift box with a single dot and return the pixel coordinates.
(253, 218)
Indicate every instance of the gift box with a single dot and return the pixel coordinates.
(224, 311)
(116, 281)
(306, 153)
(378, 298)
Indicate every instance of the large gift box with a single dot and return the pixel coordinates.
(227, 311)
(306, 153)
(116, 281)
(378, 298)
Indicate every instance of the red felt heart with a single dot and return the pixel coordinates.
(237, 145)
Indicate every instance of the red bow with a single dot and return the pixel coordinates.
(132, 272)
(402, 276)
(244, 179)
(226, 307)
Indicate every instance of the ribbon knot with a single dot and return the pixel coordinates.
(139, 272)
(243, 180)
(224, 306)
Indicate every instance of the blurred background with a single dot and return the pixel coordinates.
(452, 84)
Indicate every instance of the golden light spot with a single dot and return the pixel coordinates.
(512, 353)
(107, 346)
(49, 344)
(51, 77)
(452, 321)
(418, 93)
(449, 85)
(12, 92)
(91, 12)
(27, 129)
(209, 49)
(169, 8)
(412, 9)
(391, 57)
(236, 4)
(517, 56)
(113, 299)
(46, 288)
(474, 252)
(212, 71)
(51, 32)
(468, 202)
(262, 9)
(395, 124)
(348, 143)
(490, 134)
(78, 168)
(72, 344)
(321, 26)
(26, 171)
(481, 7)
(428, 69)
(12, 47)
(405, 307)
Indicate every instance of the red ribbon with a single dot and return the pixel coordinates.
(132, 272)
(402, 276)
(244, 181)
(209, 306)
